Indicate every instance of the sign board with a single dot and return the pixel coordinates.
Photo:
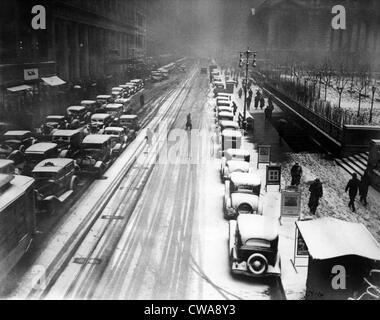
(301, 248)
(291, 202)
(273, 176)
(31, 74)
(264, 154)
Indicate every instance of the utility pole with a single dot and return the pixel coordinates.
(245, 58)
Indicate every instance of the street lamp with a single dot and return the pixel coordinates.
(245, 58)
(373, 98)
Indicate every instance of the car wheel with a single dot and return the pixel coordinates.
(257, 264)
(74, 183)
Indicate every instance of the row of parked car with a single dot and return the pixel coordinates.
(253, 236)
(84, 141)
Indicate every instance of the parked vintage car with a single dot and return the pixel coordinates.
(96, 154)
(68, 141)
(242, 194)
(156, 76)
(130, 122)
(103, 99)
(118, 138)
(253, 246)
(115, 110)
(90, 105)
(55, 182)
(77, 112)
(99, 121)
(18, 140)
(225, 116)
(223, 103)
(234, 160)
(127, 107)
(117, 92)
(127, 92)
(132, 86)
(37, 153)
(139, 83)
(231, 139)
(7, 167)
(56, 122)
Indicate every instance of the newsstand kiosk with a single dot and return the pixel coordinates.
(342, 256)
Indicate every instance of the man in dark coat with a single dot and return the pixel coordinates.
(262, 103)
(234, 106)
(316, 192)
(353, 188)
(364, 186)
(249, 100)
(142, 100)
(240, 93)
(257, 100)
(296, 173)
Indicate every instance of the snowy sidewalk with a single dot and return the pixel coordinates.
(294, 282)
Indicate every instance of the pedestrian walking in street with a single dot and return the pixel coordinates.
(316, 192)
(270, 102)
(142, 100)
(353, 188)
(257, 100)
(262, 103)
(235, 107)
(250, 93)
(296, 173)
(240, 93)
(189, 125)
(364, 186)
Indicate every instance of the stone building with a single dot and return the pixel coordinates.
(85, 40)
(302, 30)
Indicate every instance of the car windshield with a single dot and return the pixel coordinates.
(258, 243)
(44, 175)
(93, 153)
(112, 133)
(13, 144)
(61, 140)
(35, 157)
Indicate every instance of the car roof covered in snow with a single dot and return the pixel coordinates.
(231, 133)
(230, 153)
(104, 96)
(88, 102)
(229, 124)
(76, 108)
(254, 226)
(41, 147)
(225, 109)
(128, 117)
(324, 242)
(248, 179)
(237, 166)
(96, 139)
(226, 114)
(122, 100)
(117, 129)
(52, 165)
(5, 163)
(65, 133)
(100, 116)
(17, 133)
(114, 106)
(54, 117)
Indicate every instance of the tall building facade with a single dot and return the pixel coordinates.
(84, 40)
(302, 30)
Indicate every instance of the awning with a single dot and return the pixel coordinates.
(20, 88)
(53, 81)
(328, 238)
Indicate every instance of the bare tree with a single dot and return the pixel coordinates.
(362, 83)
(342, 79)
(326, 76)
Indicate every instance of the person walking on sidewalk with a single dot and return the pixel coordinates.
(234, 106)
(189, 125)
(240, 93)
(353, 188)
(364, 186)
(262, 103)
(257, 99)
(316, 192)
(249, 101)
(296, 173)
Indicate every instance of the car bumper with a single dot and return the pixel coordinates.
(242, 269)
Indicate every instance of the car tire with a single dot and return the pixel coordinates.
(74, 183)
(257, 264)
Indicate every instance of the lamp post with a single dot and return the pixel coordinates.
(244, 58)
(373, 98)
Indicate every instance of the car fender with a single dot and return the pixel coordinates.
(98, 164)
(227, 196)
(63, 154)
(232, 233)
